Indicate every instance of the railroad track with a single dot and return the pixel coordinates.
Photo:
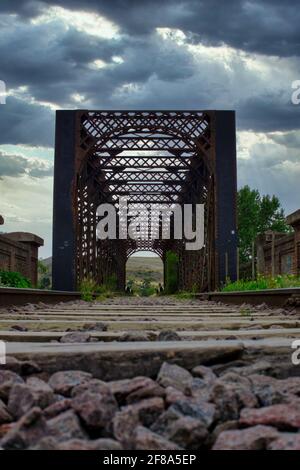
(123, 337)
(272, 297)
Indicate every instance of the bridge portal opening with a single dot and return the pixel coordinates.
(144, 273)
(168, 158)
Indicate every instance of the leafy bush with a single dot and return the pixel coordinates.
(263, 282)
(14, 279)
(146, 289)
(87, 289)
(171, 285)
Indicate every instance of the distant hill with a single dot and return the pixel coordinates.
(143, 267)
(138, 268)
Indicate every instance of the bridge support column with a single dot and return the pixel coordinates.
(225, 196)
(64, 238)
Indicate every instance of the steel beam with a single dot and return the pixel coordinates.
(64, 237)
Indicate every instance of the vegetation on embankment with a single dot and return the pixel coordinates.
(14, 279)
(90, 290)
(263, 282)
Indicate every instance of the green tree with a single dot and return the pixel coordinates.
(256, 214)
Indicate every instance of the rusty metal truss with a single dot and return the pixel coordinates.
(149, 157)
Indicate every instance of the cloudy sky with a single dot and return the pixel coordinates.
(122, 54)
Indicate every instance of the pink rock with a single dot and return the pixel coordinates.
(148, 440)
(57, 408)
(99, 444)
(66, 426)
(174, 376)
(95, 409)
(63, 382)
(23, 397)
(138, 388)
(254, 438)
(5, 417)
(286, 441)
(124, 424)
(173, 395)
(281, 416)
(147, 410)
(27, 431)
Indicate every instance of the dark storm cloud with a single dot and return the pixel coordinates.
(24, 123)
(269, 27)
(268, 113)
(53, 60)
(289, 139)
(17, 165)
(49, 58)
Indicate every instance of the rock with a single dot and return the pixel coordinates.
(23, 397)
(266, 390)
(147, 410)
(66, 426)
(5, 417)
(96, 410)
(21, 367)
(98, 444)
(255, 438)
(76, 337)
(99, 326)
(203, 411)
(148, 440)
(27, 431)
(227, 426)
(18, 328)
(46, 443)
(5, 428)
(231, 397)
(253, 327)
(173, 395)
(236, 379)
(260, 367)
(134, 336)
(50, 443)
(7, 380)
(138, 388)
(168, 335)
(175, 376)
(262, 307)
(199, 390)
(165, 420)
(187, 432)
(57, 408)
(286, 441)
(281, 416)
(64, 382)
(92, 386)
(289, 386)
(124, 425)
(204, 373)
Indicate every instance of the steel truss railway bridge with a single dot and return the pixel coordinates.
(149, 157)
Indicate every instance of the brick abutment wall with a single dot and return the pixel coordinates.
(19, 252)
(279, 253)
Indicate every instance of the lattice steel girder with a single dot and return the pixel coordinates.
(190, 158)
